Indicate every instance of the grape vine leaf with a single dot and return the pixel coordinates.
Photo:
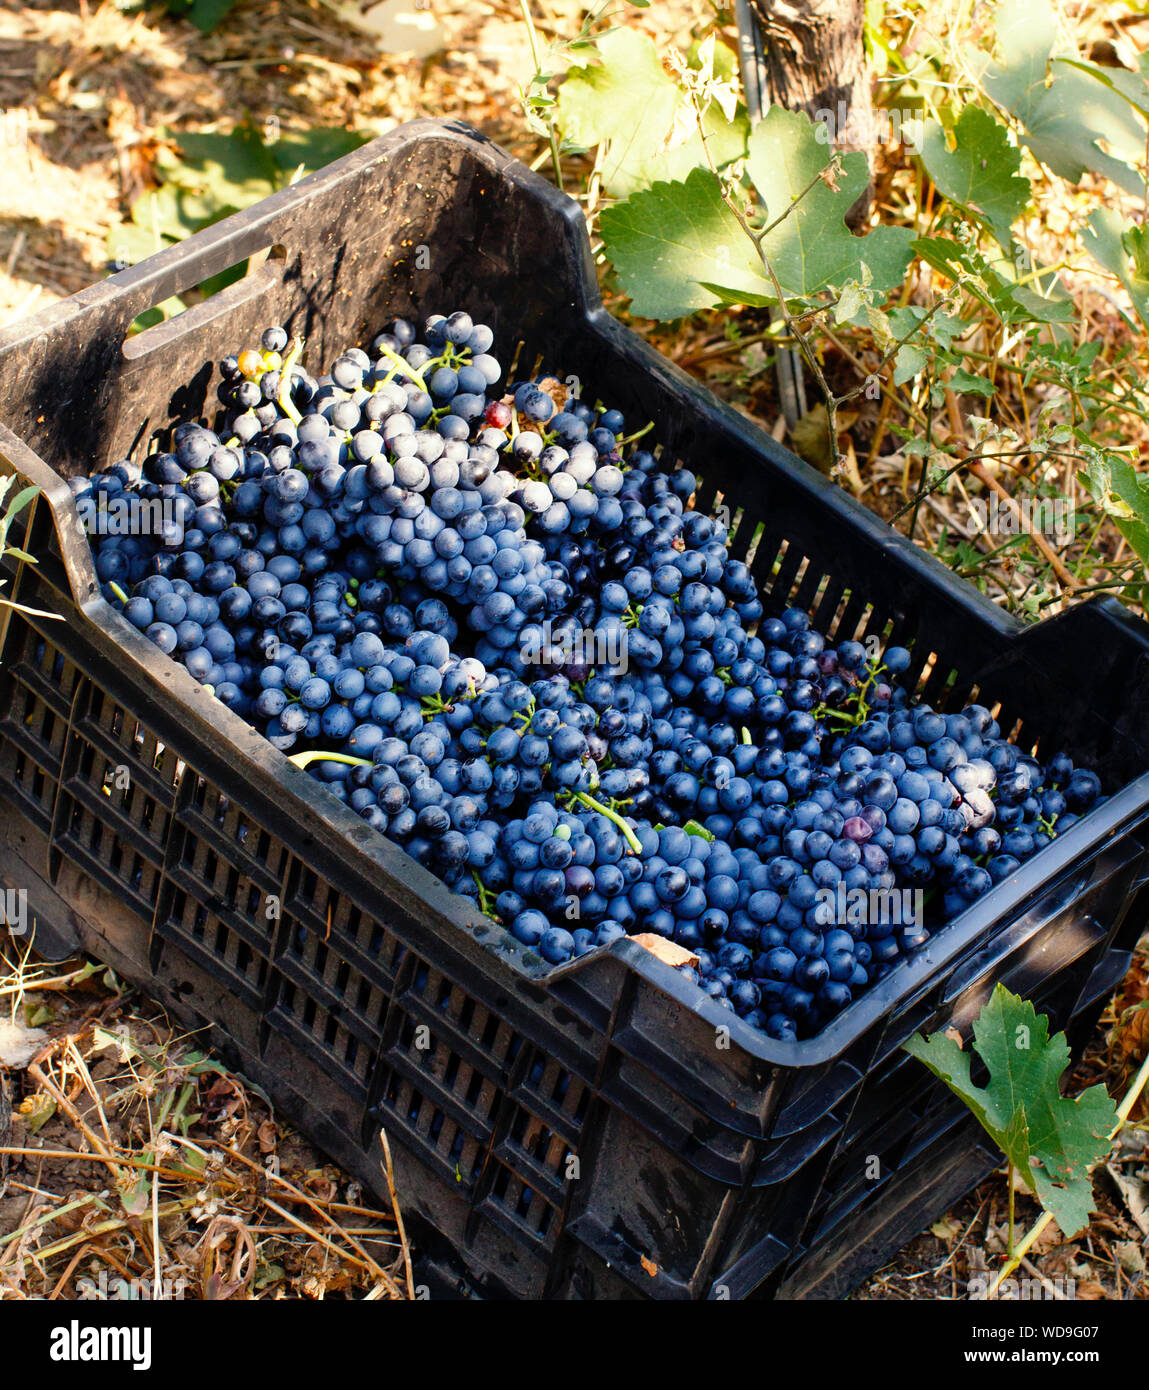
(626, 104)
(1071, 122)
(812, 248)
(667, 240)
(677, 247)
(980, 173)
(1123, 250)
(214, 174)
(211, 176)
(854, 298)
(1132, 86)
(747, 298)
(906, 319)
(725, 139)
(1052, 1141)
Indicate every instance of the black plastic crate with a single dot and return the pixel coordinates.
(564, 1130)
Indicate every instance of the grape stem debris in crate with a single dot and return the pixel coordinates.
(497, 631)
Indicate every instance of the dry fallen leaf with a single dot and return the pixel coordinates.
(830, 175)
(811, 438)
(1134, 1193)
(36, 1111)
(319, 1182)
(1090, 1292)
(649, 1265)
(1130, 1256)
(946, 1229)
(1133, 1033)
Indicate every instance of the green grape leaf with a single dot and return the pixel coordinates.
(950, 257)
(168, 309)
(673, 243)
(228, 170)
(854, 299)
(18, 503)
(1124, 250)
(811, 248)
(312, 149)
(938, 328)
(1031, 304)
(211, 176)
(1051, 1140)
(725, 139)
(724, 61)
(747, 298)
(1071, 122)
(981, 172)
(1132, 87)
(172, 212)
(627, 104)
(131, 242)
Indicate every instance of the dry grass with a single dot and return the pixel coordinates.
(131, 1157)
(102, 86)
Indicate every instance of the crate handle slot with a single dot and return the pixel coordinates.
(266, 272)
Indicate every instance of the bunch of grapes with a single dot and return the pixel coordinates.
(489, 623)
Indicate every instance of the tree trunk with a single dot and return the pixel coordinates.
(810, 58)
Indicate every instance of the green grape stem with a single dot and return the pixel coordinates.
(318, 756)
(486, 898)
(284, 401)
(637, 435)
(628, 834)
(400, 364)
(861, 710)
